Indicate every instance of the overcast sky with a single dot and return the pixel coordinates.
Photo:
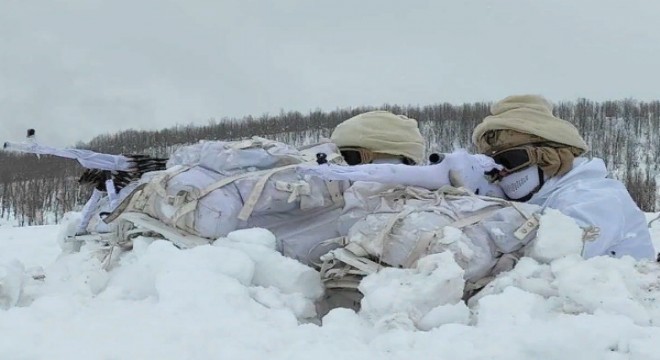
(74, 69)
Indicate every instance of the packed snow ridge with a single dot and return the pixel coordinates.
(240, 299)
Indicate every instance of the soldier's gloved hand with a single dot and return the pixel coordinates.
(469, 171)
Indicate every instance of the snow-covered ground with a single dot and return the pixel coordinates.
(239, 299)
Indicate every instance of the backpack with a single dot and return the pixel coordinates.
(214, 187)
(399, 226)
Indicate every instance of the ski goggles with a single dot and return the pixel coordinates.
(356, 156)
(515, 159)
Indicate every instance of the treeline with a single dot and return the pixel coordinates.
(38, 190)
(623, 132)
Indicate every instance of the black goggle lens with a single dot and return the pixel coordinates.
(512, 159)
(407, 161)
(352, 157)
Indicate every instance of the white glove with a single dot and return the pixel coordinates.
(469, 171)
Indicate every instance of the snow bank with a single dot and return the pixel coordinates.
(406, 297)
(239, 299)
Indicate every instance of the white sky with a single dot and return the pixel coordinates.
(74, 69)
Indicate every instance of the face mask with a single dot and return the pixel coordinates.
(521, 185)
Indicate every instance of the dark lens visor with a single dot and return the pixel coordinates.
(513, 159)
(352, 157)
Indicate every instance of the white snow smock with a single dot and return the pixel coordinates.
(215, 187)
(588, 196)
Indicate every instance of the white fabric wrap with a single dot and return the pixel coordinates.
(94, 224)
(300, 211)
(89, 210)
(429, 217)
(467, 170)
(87, 158)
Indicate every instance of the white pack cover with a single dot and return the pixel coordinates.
(398, 226)
(230, 157)
(214, 187)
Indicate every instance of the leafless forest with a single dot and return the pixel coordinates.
(37, 190)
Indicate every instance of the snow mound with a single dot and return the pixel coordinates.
(409, 298)
(551, 244)
(239, 298)
(572, 285)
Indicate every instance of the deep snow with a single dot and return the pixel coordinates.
(239, 299)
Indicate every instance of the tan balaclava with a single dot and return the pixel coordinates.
(382, 133)
(522, 120)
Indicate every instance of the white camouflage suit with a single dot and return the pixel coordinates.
(568, 181)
